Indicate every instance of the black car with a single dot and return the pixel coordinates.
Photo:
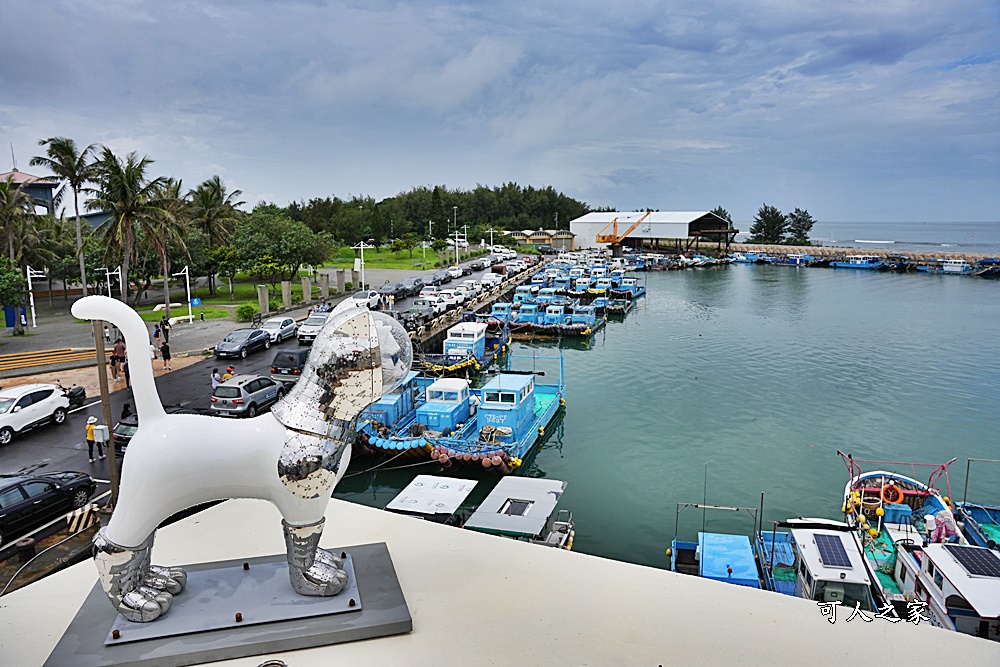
(413, 285)
(466, 269)
(478, 264)
(29, 502)
(440, 278)
(288, 364)
(123, 431)
(395, 290)
(242, 342)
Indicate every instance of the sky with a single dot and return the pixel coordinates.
(852, 110)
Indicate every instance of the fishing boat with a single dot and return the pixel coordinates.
(987, 267)
(896, 262)
(390, 423)
(433, 498)
(792, 259)
(618, 307)
(468, 346)
(894, 516)
(514, 409)
(720, 556)
(629, 288)
(862, 262)
(525, 509)
(950, 267)
(980, 522)
(960, 585)
(819, 560)
(749, 258)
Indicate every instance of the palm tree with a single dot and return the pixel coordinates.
(75, 167)
(124, 193)
(17, 208)
(216, 212)
(168, 228)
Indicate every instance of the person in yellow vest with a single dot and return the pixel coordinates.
(228, 374)
(91, 442)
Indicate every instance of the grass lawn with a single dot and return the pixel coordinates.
(149, 315)
(386, 259)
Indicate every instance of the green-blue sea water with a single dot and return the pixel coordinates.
(752, 377)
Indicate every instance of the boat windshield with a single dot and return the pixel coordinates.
(852, 594)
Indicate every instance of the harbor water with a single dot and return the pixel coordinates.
(728, 382)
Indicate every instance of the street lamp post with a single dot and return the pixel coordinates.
(187, 286)
(361, 246)
(455, 208)
(32, 274)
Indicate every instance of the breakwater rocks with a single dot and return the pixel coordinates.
(834, 251)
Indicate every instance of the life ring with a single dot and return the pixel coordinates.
(891, 494)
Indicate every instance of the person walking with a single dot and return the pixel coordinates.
(216, 379)
(157, 338)
(91, 421)
(128, 379)
(117, 357)
(165, 355)
(165, 328)
(126, 411)
(107, 334)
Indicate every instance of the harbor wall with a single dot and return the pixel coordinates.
(831, 251)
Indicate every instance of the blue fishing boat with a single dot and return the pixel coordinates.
(750, 258)
(618, 307)
(948, 267)
(388, 424)
(987, 267)
(468, 346)
(600, 286)
(980, 522)
(863, 262)
(629, 289)
(514, 409)
(719, 556)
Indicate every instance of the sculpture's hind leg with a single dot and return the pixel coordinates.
(138, 591)
(312, 571)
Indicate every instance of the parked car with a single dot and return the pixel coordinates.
(246, 395)
(121, 434)
(466, 269)
(465, 292)
(491, 279)
(29, 502)
(280, 328)
(438, 278)
(310, 328)
(433, 303)
(396, 290)
(454, 272)
(412, 285)
(288, 364)
(28, 406)
(478, 264)
(429, 291)
(451, 298)
(242, 342)
(473, 286)
(369, 298)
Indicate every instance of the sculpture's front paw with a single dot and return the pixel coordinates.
(144, 604)
(174, 579)
(324, 556)
(322, 579)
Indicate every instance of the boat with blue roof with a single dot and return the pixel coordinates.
(861, 262)
(469, 346)
(947, 267)
(719, 556)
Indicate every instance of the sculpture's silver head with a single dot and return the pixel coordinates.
(357, 357)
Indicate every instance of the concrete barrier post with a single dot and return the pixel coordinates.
(341, 281)
(324, 286)
(286, 293)
(356, 280)
(307, 291)
(263, 301)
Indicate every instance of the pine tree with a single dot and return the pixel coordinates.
(769, 226)
(800, 223)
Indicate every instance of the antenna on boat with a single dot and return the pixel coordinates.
(704, 499)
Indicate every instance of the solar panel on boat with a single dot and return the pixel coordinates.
(977, 561)
(832, 552)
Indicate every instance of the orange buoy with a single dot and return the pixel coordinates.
(891, 494)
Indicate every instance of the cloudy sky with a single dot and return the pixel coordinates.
(854, 110)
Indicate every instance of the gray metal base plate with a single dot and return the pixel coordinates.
(275, 618)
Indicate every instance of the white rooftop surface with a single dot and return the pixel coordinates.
(432, 494)
(449, 384)
(983, 593)
(805, 539)
(468, 327)
(479, 599)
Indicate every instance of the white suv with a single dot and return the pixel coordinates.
(30, 405)
(310, 328)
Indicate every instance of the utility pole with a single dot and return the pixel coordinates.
(32, 274)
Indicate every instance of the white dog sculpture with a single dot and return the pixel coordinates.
(293, 456)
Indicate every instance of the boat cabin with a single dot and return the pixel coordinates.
(447, 405)
(508, 405)
(547, 295)
(555, 315)
(830, 568)
(617, 275)
(523, 294)
(561, 283)
(466, 339)
(584, 314)
(961, 585)
(501, 311)
(583, 284)
(398, 404)
(524, 508)
(432, 498)
(601, 285)
(527, 314)
(598, 272)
